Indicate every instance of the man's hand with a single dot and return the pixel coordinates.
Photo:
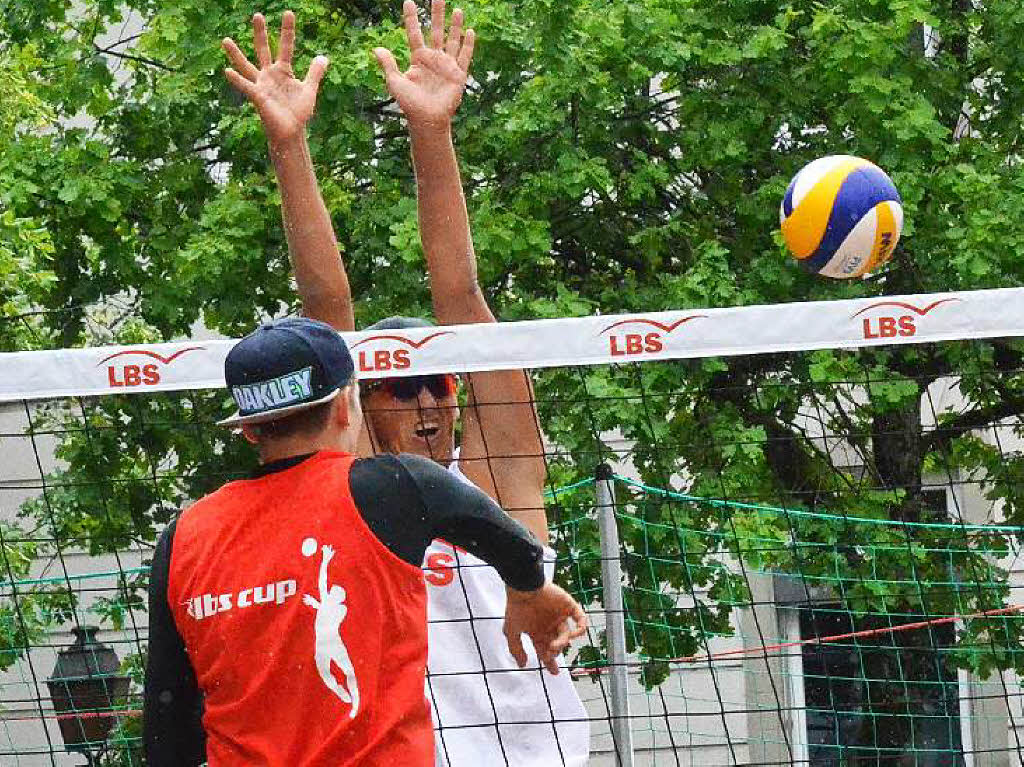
(284, 102)
(285, 105)
(431, 89)
(549, 616)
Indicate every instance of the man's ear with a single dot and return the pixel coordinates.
(341, 408)
(355, 398)
(251, 433)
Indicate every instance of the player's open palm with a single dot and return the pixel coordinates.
(549, 616)
(430, 90)
(284, 102)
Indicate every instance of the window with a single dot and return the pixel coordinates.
(885, 700)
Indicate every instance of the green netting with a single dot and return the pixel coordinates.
(877, 657)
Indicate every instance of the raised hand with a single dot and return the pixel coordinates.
(430, 90)
(284, 102)
(549, 616)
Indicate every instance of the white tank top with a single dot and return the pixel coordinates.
(486, 710)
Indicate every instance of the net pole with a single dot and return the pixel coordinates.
(965, 691)
(614, 613)
(797, 696)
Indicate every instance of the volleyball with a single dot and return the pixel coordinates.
(841, 217)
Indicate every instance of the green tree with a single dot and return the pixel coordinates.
(25, 245)
(25, 281)
(618, 155)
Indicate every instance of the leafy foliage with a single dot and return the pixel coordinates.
(25, 244)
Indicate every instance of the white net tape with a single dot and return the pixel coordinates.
(545, 343)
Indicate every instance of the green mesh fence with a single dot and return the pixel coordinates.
(873, 668)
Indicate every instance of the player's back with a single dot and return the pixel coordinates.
(307, 635)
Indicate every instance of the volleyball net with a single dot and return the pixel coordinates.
(796, 527)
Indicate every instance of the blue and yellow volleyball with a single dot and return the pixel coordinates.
(841, 217)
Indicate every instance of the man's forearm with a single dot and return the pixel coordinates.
(444, 227)
(319, 273)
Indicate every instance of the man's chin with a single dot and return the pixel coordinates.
(435, 448)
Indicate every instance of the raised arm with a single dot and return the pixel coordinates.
(327, 555)
(285, 104)
(429, 93)
(502, 450)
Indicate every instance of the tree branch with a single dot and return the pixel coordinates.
(973, 419)
(132, 57)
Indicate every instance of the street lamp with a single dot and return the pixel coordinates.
(84, 687)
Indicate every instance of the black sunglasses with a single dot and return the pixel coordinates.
(408, 388)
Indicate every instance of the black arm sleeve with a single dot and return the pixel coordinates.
(408, 501)
(172, 707)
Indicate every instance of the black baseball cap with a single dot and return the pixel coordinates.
(284, 367)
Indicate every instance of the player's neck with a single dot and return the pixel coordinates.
(280, 449)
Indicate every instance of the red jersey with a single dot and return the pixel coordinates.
(306, 633)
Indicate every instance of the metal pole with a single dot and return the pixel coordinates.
(614, 611)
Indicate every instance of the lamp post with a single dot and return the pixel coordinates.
(84, 686)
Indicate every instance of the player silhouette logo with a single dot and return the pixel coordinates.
(329, 649)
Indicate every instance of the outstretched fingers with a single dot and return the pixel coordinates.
(412, 26)
(454, 33)
(437, 24)
(284, 55)
(242, 65)
(316, 71)
(387, 62)
(259, 35)
(246, 87)
(466, 52)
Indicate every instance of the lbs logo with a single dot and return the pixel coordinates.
(378, 359)
(211, 604)
(629, 344)
(141, 373)
(900, 319)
